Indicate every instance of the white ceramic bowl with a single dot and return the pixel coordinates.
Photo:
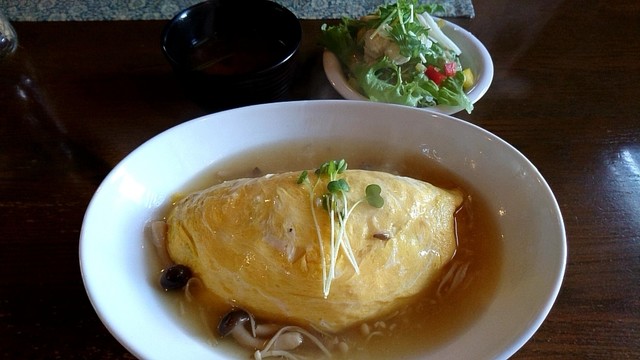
(474, 56)
(114, 262)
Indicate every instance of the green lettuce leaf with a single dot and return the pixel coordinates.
(384, 81)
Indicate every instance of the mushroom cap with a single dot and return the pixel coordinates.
(231, 320)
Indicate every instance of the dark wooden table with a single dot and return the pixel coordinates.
(77, 97)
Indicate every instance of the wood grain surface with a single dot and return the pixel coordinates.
(77, 97)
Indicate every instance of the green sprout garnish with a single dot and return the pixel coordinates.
(337, 206)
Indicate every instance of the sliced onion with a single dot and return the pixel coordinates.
(159, 240)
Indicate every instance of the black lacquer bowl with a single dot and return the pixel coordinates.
(228, 52)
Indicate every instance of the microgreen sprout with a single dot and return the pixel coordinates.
(335, 201)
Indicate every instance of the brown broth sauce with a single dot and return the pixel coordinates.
(438, 313)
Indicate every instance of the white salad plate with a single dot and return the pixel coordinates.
(474, 56)
(115, 258)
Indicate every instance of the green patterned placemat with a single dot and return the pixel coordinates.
(81, 10)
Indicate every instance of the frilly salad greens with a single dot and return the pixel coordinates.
(399, 55)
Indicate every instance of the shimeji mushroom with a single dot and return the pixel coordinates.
(283, 338)
(234, 324)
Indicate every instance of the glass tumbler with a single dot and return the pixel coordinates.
(8, 37)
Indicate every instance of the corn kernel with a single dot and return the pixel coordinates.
(469, 79)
